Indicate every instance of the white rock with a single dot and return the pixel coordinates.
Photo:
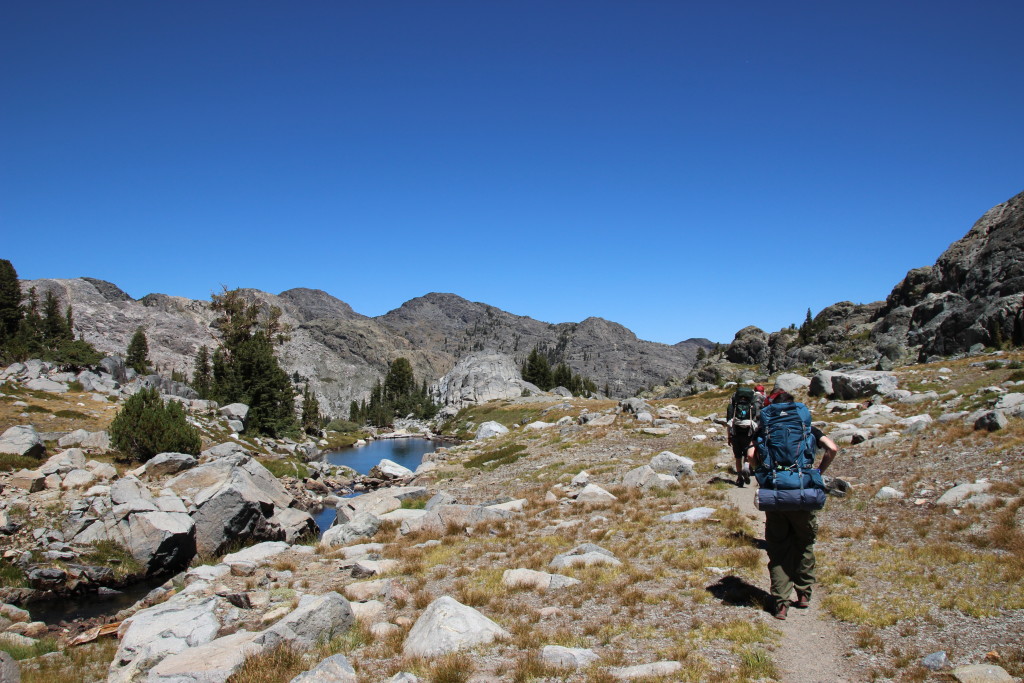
(449, 626)
(692, 515)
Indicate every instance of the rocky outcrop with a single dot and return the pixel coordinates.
(479, 378)
(972, 295)
(22, 440)
(234, 497)
(157, 530)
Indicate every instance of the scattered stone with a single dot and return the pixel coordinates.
(692, 515)
(651, 670)
(645, 478)
(981, 673)
(165, 464)
(958, 494)
(992, 421)
(567, 657)
(449, 626)
(592, 493)
(888, 493)
(389, 470)
(584, 555)
(668, 462)
(489, 429)
(536, 580)
(334, 669)
(936, 661)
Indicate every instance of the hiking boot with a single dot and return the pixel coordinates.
(803, 600)
(746, 477)
(780, 612)
(739, 480)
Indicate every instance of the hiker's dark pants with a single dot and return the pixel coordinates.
(741, 441)
(790, 539)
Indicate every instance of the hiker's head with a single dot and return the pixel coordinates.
(780, 396)
(759, 388)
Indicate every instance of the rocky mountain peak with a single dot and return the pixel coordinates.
(314, 304)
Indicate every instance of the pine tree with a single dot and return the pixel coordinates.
(354, 414)
(10, 304)
(311, 418)
(245, 369)
(137, 354)
(202, 376)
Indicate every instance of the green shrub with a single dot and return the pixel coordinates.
(343, 426)
(286, 467)
(490, 460)
(71, 414)
(34, 649)
(76, 386)
(12, 576)
(10, 462)
(36, 409)
(146, 426)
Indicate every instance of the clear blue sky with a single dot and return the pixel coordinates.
(646, 162)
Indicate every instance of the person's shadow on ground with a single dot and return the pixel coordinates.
(732, 590)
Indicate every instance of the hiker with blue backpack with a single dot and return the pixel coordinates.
(791, 493)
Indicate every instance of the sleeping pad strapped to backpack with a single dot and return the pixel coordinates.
(786, 448)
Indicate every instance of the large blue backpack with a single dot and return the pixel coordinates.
(786, 448)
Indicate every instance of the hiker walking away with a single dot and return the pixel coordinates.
(741, 426)
(790, 532)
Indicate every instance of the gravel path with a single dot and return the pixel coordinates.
(812, 647)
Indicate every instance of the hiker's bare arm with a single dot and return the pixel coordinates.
(830, 453)
(751, 451)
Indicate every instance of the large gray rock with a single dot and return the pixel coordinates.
(28, 480)
(212, 662)
(362, 525)
(479, 378)
(47, 385)
(668, 462)
(821, 384)
(22, 440)
(749, 347)
(645, 478)
(992, 421)
(388, 469)
(158, 532)
(489, 429)
(961, 493)
(236, 498)
(317, 618)
(856, 384)
(449, 626)
(164, 464)
(10, 670)
(152, 634)
(235, 411)
(791, 383)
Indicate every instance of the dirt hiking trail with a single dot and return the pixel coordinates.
(812, 646)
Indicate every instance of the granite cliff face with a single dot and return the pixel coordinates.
(972, 297)
(343, 354)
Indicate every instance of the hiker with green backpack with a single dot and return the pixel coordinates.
(741, 426)
(790, 494)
